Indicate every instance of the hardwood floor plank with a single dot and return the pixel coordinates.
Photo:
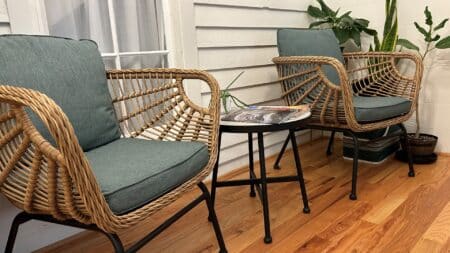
(437, 235)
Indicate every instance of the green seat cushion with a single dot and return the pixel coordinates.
(133, 172)
(72, 73)
(370, 109)
(311, 42)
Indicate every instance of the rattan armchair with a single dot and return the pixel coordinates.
(54, 181)
(362, 77)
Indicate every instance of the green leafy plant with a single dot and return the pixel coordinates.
(390, 31)
(226, 96)
(344, 26)
(433, 41)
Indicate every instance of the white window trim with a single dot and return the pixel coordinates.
(29, 17)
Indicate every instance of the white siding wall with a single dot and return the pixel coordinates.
(4, 18)
(233, 36)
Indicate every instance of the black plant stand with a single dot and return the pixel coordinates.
(260, 184)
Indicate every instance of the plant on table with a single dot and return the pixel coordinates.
(227, 98)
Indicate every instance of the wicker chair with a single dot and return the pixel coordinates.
(353, 92)
(57, 163)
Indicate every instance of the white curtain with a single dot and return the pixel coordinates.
(139, 27)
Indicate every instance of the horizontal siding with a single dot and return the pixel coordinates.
(233, 16)
(226, 58)
(235, 37)
(240, 35)
(4, 19)
(288, 5)
(252, 76)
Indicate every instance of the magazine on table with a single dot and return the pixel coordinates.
(266, 115)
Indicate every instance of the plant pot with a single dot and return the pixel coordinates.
(423, 145)
(422, 149)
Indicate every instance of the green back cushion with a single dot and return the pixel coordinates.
(70, 72)
(311, 42)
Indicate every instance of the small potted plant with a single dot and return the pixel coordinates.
(228, 99)
(423, 145)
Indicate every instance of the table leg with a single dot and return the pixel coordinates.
(215, 172)
(299, 172)
(262, 163)
(250, 164)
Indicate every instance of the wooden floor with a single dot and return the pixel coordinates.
(393, 213)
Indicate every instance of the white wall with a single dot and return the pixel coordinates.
(233, 36)
(4, 18)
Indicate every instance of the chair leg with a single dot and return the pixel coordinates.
(355, 165)
(115, 241)
(280, 155)
(213, 217)
(407, 149)
(298, 166)
(330, 143)
(250, 164)
(18, 220)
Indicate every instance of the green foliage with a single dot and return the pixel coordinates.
(344, 26)
(430, 36)
(433, 41)
(390, 31)
(225, 96)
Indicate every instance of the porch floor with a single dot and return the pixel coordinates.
(393, 213)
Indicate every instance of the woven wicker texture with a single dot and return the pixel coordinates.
(57, 180)
(363, 74)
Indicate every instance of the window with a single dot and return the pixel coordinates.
(130, 34)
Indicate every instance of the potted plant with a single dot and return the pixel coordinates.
(423, 145)
(228, 99)
(345, 27)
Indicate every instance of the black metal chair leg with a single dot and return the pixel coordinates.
(214, 174)
(115, 241)
(250, 164)
(330, 143)
(298, 166)
(265, 200)
(213, 217)
(407, 150)
(280, 155)
(355, 165)
(18, 220)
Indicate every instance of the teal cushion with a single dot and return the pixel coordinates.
(133, 172)
(311, 42)
(70, 72)
(370, 109)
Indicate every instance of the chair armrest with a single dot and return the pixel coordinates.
(66, 171)
(153, 104)
(378, 74)
(306, 73)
